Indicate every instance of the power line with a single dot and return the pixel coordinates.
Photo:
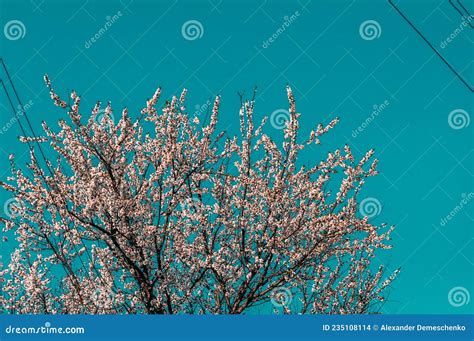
(15, 112)
(23, 111)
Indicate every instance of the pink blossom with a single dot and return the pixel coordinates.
(163, 215)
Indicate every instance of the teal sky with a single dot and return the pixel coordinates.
(426, 165)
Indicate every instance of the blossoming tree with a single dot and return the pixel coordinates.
(166, 215)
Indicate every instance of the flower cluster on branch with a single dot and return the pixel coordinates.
(165, 214)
